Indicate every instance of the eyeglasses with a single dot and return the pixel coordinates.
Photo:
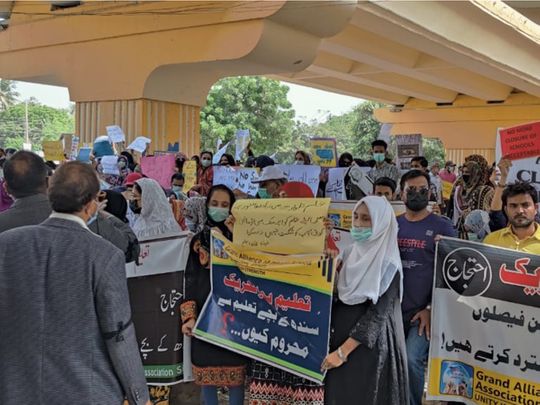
(414, 189)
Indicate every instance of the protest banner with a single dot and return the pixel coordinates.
(67, 141)
(159, 168)
(109, 165)
(408, 146)
(299, 227)
(335, 186)
(84, 154)
(241, 142)
(342, 238)
(340, 212)
(190, 174)
(72, 154)
(102, 147)
(359, 177)
(308, 174)
(447, 189)
(521, 141)
(272, 308)
(115, 134)
(237, 178)
(156, 288)
(485, 325)
(323, 151)
(526, 170)
(53, 150)
(139, 144)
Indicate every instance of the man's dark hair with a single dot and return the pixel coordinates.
(177, 176)
(73, 186)
(422, 160)
(385, 182)
(519, 188)
(413, 174)
(25, 174)
(379, 142)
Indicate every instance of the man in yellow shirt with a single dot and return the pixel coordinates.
(523, 234)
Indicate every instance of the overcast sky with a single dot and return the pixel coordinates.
(308, 103)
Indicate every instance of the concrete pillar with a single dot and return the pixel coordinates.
(170, 126)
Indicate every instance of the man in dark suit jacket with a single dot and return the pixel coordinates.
(25, 176)
(65, 319)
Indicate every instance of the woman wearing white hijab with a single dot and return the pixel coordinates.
(156, 217)
(367, 364)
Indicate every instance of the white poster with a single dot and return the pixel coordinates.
(237, 178)
(160, 256)
(115, 134)
(335, 187)
(242, 142)
(308, 174)
(109, 165)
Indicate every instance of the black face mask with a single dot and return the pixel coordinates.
(134, 207)
(417, 200)
(466, 177)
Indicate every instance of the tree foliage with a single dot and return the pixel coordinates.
(261, 105)
(253, 103)
(8, 94)
(44, 123)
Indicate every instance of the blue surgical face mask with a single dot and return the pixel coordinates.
(92, 219)
(263, 193)
(379, 157)
(177, 189)
(218, 214)
(473, 237)
(361, 234)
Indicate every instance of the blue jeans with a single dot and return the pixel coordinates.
(417, 354)
(210, 397)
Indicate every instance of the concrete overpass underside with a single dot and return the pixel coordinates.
(452, 70)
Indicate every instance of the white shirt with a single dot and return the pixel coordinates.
(70, 217)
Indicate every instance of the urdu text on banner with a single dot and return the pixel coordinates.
(486, 325)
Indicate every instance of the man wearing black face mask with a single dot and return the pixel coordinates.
(418, 230)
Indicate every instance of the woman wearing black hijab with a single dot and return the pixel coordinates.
(213, 366)
(116, 205)
(131, 161)
(218, 208)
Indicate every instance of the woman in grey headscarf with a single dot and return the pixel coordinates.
(156, 217)
(195, 213)
(477, 225)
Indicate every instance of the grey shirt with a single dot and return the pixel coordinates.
(386, 170)
(31, 210)
(65, 319)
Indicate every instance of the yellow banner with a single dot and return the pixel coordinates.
(285, 225)
(449, 378)
(323, 152)
(447, 189)
(301, 270)
(190, 174)
(53, 150)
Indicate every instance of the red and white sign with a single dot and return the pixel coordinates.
(520, 142)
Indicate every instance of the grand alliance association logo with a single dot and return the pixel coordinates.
(467, 272)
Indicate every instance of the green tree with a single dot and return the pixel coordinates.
(433, 150)
(44, 123)
(354, 131)
(8, 94)
(253, 103)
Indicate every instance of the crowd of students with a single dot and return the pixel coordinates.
(382, 306)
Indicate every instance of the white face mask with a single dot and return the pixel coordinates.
(206, 162)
